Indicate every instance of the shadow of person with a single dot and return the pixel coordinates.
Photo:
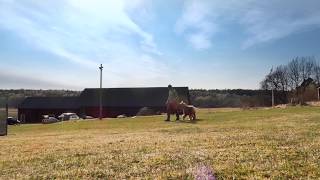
(187, 121)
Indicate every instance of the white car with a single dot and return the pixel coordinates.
(68, 116)
(49, 119)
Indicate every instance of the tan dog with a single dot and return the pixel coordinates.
(188, 110)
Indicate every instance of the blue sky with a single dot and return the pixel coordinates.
(196, 43)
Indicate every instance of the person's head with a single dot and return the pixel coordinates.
(169, 86)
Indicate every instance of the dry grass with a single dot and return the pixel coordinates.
(251, 144)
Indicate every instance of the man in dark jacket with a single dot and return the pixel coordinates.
(172, 103)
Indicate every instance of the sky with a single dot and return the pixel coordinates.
(209, 44)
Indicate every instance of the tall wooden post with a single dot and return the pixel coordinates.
(7, 107)
(100, 93)
(272, 91)
(3, 122)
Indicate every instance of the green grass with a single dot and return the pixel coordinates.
(250, 144)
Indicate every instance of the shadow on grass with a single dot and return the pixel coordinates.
(186, 121)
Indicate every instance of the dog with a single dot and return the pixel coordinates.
(187, 110)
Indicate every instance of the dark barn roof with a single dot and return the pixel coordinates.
(130, 97)
(50, 103)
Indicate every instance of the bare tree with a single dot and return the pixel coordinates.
(310, 64)
(294, 73)
(289, 77)
(268, 82)
(281, 78)
(316, 71)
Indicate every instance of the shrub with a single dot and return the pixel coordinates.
(145, 111)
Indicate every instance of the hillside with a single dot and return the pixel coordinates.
(235, 144)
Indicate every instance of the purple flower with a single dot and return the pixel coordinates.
(204, 173)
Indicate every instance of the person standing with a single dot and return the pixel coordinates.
(172, 103)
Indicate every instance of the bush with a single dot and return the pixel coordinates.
(145, 111)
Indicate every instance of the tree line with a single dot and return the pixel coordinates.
(216, 98)
(15, 96)
(287, 79)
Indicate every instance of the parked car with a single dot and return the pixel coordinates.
(49, 119)
(12, 121)
(68, 116)
(88, 117)
(122, 116)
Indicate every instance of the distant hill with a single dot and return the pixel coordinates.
(16, 96)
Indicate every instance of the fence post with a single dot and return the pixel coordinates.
(3, 127)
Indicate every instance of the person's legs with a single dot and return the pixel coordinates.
(168, 116)
(175, 109)
(168, 112)
(172, 108)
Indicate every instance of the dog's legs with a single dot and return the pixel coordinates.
(177, 116)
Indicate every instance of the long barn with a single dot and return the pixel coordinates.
(115, 101)
(32, 108)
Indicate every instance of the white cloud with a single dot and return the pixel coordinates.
(197, 23)
(199, 41)
(274, 20)
(116, 33)
(87, 33)
(78, 31)
(140, 11)
(262, 21)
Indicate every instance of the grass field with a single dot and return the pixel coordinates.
(250, 144)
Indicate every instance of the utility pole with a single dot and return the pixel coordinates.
(100, 93)
(272, 91)
(7, 107)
